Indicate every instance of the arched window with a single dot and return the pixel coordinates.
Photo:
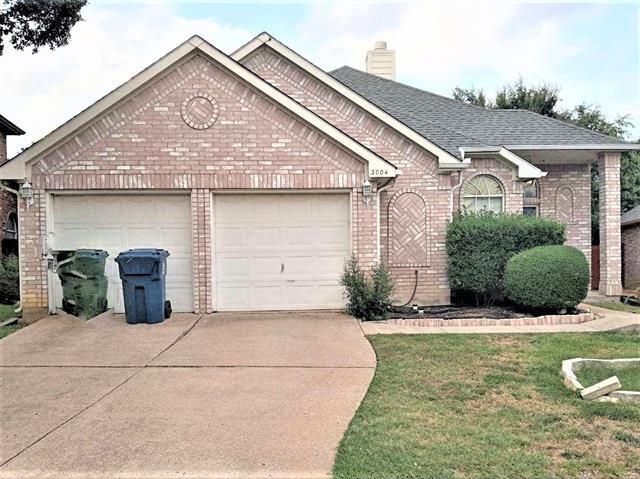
(11, 231)
(483, 193)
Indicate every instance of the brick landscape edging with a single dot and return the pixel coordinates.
(551, 319)
(570, 366)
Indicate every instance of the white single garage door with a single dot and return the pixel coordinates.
(280, 251)
(116, 223)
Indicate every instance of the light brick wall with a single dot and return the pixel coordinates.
(631, 245)
(610, 236)
(201, 215)
(143, 143)
(576, 214)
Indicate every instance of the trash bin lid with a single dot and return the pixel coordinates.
(153, 253)
(91, 253)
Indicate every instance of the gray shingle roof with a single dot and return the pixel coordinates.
(452, 124)
(631, 216)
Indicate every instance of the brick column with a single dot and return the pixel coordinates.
(364, 228)
(33, 269)
(201, 247)
(610, 237)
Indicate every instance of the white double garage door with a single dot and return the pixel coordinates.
(270, 251)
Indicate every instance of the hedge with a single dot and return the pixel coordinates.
(548, 278)
(480, 244)
(9, 280)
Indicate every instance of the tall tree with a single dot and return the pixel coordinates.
(540, 99)
(471, 96)
(38, 23)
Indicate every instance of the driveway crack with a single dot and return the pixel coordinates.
(122, 383)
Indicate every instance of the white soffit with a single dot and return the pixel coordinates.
(445, 159)
(16, 168)
(525, 169)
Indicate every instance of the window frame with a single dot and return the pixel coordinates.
(471, 181)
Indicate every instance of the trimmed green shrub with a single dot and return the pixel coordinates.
(9, 280)
(367, 298)
(547, 278)
(480, 244)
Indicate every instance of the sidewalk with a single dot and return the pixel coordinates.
(607, 320)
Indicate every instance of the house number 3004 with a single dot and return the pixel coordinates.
(378, 172)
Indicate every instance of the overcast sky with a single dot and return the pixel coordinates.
(590, 51)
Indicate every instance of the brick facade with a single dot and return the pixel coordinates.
(610, 240)
(144, 143)
(199, 129)
(631, 248)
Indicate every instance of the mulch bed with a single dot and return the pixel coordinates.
(459, 312)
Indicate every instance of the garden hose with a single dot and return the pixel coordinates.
(415, 287)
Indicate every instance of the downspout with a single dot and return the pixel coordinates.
(15, 192)
(454, 187)
(387, 185)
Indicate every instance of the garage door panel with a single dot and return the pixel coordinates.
(232, 237)
(116, 223)
(266, 237)
(307, 233)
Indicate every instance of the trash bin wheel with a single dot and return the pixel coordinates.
(167, 309)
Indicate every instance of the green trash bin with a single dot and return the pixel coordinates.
(84, 285)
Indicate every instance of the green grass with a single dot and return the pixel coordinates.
(488, 406)
(629, 376)
(6, 312)
(615, 306)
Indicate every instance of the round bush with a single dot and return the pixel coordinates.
(547, 278)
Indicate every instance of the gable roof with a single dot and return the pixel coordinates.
(455, 125)
(631, 217)
(445, 158)
(16, 167)
(9, 128)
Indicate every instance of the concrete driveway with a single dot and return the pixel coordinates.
(242, 395)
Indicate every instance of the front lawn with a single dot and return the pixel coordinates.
(488, 406)
(6, 312)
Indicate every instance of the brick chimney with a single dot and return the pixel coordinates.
(382, 62)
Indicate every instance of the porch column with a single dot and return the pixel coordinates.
(610, 236)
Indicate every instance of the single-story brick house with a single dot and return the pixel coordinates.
(8, 200)
(631, 248)
(261, 173)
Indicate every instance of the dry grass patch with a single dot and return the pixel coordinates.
(454, 406)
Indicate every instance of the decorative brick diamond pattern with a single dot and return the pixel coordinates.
(408, 239)
(564, 204)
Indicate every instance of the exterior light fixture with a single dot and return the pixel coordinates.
(26, 191)
(366, 191)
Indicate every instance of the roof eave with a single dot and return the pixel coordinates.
(525, 169)
(16, 168)
(9, 128)
(588, 147)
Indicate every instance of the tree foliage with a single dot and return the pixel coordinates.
(38, 23)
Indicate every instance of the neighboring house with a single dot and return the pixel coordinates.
(8, 207)
(631, 248)
(261, 173)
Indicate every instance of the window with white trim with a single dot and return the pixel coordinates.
(531, 198)
(483, 193)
